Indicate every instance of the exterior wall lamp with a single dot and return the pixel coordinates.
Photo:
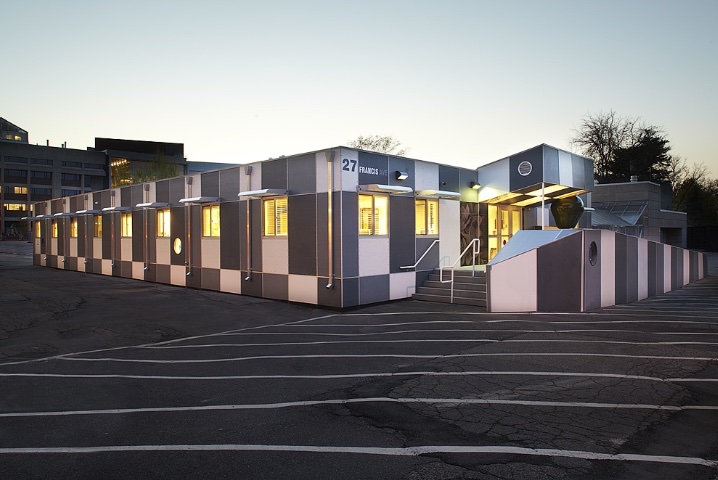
(401, 175)
(475, 185)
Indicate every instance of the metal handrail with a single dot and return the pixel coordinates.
(476, 245)
(422, 257)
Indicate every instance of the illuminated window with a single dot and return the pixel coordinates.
(54, 229)
(373, 215)
(19, 190)
(163, 223)
(73, 228)
(15, 207)
(210, 221)
(127, 224)
(97, 227)
(38, 230)
(427, 217)
(276, 215)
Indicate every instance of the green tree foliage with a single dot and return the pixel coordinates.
(378, 143)
(697, 195)
(622, 147)
(125, 172)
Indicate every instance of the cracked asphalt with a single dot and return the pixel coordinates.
(112, 378)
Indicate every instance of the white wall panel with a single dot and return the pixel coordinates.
(348, 165)
(686, 267)
(210, 252)
(178, 275)
(138, 270)
(162, 251)
(96, 247)
(667, 268)
(230, 281)
(61, 262)
(73, 247)
(426, 176)
(373, 256)
(303, 288)
(565, 168)
(608, 268)
(402, 285)
(449, 231)
(494, 179)
(642, 268)
(106, 267)
(275, 255)
(513, 285)
(125, 252)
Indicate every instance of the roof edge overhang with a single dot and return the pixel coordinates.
(392, 189)
(264, 192)
(439, 194)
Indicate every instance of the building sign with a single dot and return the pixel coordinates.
(372, 168)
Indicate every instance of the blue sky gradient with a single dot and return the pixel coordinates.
(458, 82)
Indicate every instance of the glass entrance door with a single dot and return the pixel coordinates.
(504, 222)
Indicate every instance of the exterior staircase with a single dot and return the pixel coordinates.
(468, 290)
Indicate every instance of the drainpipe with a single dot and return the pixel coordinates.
(330, 225)
(188, 229)
(248, 173)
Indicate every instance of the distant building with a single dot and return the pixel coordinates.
(34, 173)
(131, 161)
(641, 209)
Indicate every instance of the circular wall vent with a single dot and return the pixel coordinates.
(525, 168)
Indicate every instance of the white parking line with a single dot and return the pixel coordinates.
(406, 451)
(360, 375)
(462, 330)
(365, 356)
(312, 403)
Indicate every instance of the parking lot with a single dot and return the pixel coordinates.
(405, 390)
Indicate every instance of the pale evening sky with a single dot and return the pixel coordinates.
(459, 82)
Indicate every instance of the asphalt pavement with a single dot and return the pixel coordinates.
(106, 377)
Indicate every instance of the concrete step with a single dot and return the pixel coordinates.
(474, 287)
(446, 299)
(458, 292)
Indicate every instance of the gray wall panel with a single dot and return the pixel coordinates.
(631, 269)
(329, 297)
(152, 235)
(274, 174)
(675, 266)
(302, 172)
(322, 234)
(125, 268)
(231, 241)
(401, 232)
(533, 156)
(242, 225)
(350, 292)
(162, 273)
(177, 190)
(350, 234)
(195, 260)
(592, 273)
(302, 238)
(137, 194)
(194, 279)
(70, 264)
(559, 275)
(431, 260)
(138, 235)
(162, 191)
(449, 178)
(468, 194)
(177, 229)
(256, 234)
(81, 235)
(653, 268)
(125, 197)
(374, 289)
(151, 273)
(551, 165)
(252, 287)
(210, 184)
(275, 286)
(210, 279)
(229, 183)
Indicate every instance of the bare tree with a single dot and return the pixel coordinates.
(378, 143)
(600, 136)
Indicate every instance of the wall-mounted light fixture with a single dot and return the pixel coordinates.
(401, 175)
(475, 185)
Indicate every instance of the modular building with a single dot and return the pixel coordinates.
(338, 227)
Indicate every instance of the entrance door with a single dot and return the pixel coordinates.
(504, 222)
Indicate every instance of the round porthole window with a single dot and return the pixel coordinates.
(177, 246)
(593, 253)
(525, 168)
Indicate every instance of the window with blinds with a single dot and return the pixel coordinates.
(127, 225)
(373, 215)
(163, 223)
(210, 221)
(427, 217)
(276, 216)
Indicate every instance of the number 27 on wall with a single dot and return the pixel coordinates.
(345, 165)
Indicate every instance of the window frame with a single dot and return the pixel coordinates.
(427, 231)
(211, 225)
(126, 222)
(372, 230)
(163, 223)
(55, 229)
(280, 217)
(73, 228)
(97, 226)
